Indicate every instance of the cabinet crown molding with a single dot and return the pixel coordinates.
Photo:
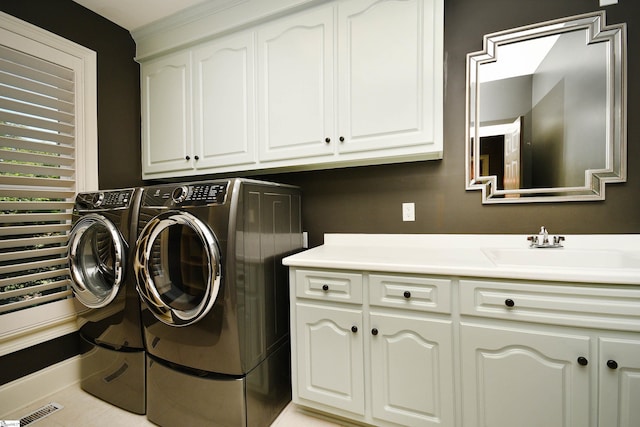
(207, 20)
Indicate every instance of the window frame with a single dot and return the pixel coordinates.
(30, 326)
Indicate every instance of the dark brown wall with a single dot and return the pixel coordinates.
(368, 199)
(118, 81)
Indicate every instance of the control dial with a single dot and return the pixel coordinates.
(179, 194)
(97, 199)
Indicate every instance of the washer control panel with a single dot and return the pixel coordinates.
(101, 200)
(201, 194)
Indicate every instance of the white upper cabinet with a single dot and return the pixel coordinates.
(296, 97)
(341, 83)
(166, 115)
(223, 102)
(390, 76)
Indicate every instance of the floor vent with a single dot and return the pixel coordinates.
(39, 414)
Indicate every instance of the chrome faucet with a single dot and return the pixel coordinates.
(544, 240)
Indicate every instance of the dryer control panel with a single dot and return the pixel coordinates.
(100, 200)
(201, 194)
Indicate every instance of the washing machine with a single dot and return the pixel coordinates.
(100, 251)
(215, 300)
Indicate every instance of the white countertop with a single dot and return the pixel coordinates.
(606, 258)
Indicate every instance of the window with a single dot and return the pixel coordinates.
(47, 153)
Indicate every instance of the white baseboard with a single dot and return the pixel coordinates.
(26, 390)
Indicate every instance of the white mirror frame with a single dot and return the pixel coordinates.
(616, 142)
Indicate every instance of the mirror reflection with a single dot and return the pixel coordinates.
(545, 111)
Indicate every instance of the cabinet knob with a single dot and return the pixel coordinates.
(407, 294)
(582, 361)
(188, 158)
(354, 329)
(374, 331)
(509, 302)
(327, 140)
(325, 288)
(612, 364)
(197, 157)
(342, 139)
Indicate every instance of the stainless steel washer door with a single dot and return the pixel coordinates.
(178, 268)
(97, 257)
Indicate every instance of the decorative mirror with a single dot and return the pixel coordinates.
(546, 117)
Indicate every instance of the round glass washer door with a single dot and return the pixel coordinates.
(97, 258)
(177, 268)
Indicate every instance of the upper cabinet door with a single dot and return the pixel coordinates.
(166, 114)
(390, 75)
(224, 102)
(295, 78)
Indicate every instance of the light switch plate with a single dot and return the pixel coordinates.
(608, 2)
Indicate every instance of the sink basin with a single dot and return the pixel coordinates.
(564, 258)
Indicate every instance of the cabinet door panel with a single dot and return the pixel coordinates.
(330, 356)
(412, 370)
(166, 112)
(224, 101)
(619, 383)
(524, 378)
(388, 54)
(296, 86)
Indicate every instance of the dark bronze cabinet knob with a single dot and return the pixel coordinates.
(582, 361)
(407, 294)
(509, 302)
(327, 140)
(354, 329)
(188, 158)
(374, 331)
(612, 364)
(325, 288)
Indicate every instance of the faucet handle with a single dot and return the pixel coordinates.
(557, 240)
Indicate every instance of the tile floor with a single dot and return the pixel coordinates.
(80, 409)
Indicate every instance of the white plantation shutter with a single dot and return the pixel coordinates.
(42, 133)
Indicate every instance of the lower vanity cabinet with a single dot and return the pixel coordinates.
(536, 354)
(525, 378)
(416, 350)
(411, 370)
(329, 357)
(363, 347)
(619, 382)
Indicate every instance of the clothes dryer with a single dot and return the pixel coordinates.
(215, 300)
(113, 362)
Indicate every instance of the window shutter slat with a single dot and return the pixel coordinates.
(28, 242)
(44, 124)
(38, 253)
(27, 60)
(65, 292)
(36, 193)
(35, 158)
(41, 276)
(29, 133)
(38, 182)
(59, 263)
(33, 205)
(21, 144)
(29, 85)
(37, 99)
(33, 229)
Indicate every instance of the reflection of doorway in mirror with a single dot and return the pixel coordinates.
(512, 143)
